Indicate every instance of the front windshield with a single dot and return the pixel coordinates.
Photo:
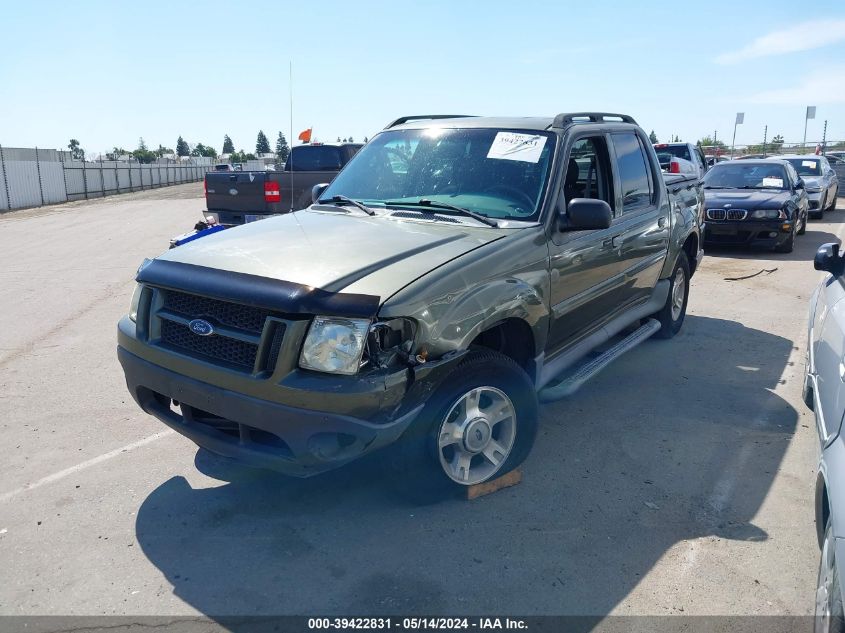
(806, 166)
(744, 176)
(500, 174)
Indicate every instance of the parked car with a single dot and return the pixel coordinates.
(824, 394)
(233, 199)
(685, 151)
(820, 181)
(835, 159)
(436, 288)
(224, 167)
(755, 203)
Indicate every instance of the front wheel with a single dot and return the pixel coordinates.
(671, 316)
(830, 617)
(478, 425)
(789, 244)
(832, 205)
(803, 228)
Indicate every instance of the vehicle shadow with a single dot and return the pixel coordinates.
(675, 441)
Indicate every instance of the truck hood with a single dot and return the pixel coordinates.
(335, 251)
(747, 199)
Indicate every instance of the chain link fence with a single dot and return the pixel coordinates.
(33, 177)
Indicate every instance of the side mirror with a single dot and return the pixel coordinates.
(585, 214)
(799, 184)
(828, 259)
(317, 191)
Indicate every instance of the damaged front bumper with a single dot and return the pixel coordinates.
(293, 440)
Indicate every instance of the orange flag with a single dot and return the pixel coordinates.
(305, 136)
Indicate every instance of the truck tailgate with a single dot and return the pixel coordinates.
(236, 191)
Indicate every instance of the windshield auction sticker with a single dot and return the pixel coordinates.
(773, 182)
(808, 163)
(513, 146)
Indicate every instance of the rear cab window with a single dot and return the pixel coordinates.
(314, 158)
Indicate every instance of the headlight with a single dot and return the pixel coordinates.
(768, 214)
(812, 188)
(136, 299)
(334, 345)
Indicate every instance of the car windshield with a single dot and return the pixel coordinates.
(744, 176)
(806, 166)
(501, 174)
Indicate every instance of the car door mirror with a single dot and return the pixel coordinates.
(317, 191)
(585, 214)
(828, 259)
(799, 184)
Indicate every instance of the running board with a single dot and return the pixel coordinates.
(571, 383)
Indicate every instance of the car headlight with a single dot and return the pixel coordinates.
(334, 345)
(136, 299)
(813, 188)
(768, 214)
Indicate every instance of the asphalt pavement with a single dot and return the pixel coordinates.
(678, 481)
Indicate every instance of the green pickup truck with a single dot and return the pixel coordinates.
(456, 273)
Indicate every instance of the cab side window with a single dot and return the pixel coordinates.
(634, 174)
(588, 171)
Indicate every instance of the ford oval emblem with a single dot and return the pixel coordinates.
(201, 327)
(233, 192)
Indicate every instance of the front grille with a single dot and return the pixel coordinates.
(238, 331)
(214, 347)
(726, 214)
(218, 312)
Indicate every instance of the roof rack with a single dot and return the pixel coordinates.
(419, 117)
(564, 119)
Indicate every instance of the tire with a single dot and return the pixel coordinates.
(788, 245)
(832, 205)
(429, 456)
(671, 315)
(803, 225)
(830, 617)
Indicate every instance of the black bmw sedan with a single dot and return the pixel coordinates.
(755, 202)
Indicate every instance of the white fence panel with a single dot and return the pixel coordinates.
(53, 183)
(94, 183)
(122, 179)
(110, 180)
(4, 202)
(75, 183)
(23, 181)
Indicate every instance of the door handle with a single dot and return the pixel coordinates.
(609, 242)
(661, 222)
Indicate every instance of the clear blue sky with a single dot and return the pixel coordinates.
(107, 73)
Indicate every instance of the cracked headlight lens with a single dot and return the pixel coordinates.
(334, 345)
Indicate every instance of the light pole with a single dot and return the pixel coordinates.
(740, 119)
(811, 114)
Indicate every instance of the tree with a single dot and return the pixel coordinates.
(204, 150)
(76, 152)
(161, 151)
(182, 148)
(777, 141)
(707, 141)
(228, 145)
(262, 145)
(282, 149)
(653, 138)
(143, 154)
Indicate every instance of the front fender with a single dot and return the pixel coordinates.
(481, 308)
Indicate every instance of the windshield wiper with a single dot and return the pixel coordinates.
(715, 187)
(339, 200)
(425, 202)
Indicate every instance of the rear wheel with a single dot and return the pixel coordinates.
(671, 316)
(478, 425)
